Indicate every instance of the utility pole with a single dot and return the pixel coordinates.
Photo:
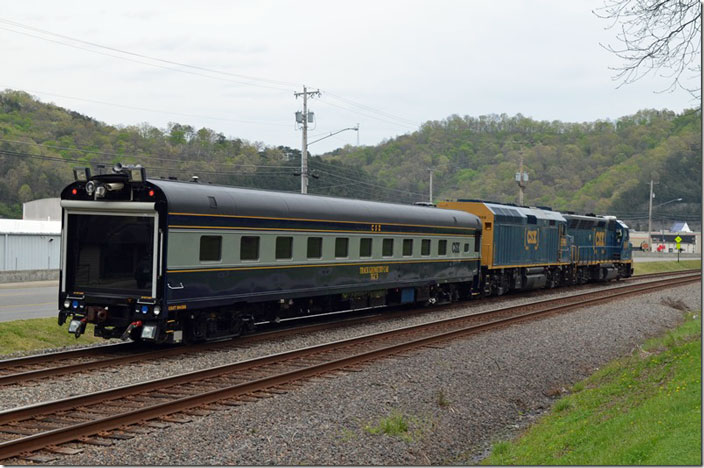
(304, 118)
(650, 216)
(430, 194)
(521, 179)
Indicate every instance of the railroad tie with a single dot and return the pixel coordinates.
(94, 441)
(63, 450)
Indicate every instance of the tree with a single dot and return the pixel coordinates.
(657, 36)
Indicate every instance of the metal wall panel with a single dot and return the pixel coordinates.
(29, 252)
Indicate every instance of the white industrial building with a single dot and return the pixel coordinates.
(29, 244)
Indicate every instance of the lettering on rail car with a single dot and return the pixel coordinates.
(373, 271)
(600, 238)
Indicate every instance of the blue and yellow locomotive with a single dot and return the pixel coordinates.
(527, 248)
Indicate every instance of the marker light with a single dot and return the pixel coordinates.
(67, 304)
(151, 193)
(137, 174)
(75, 304)
(81, 174)
(74, 191)
(157, 310)
(145, 309)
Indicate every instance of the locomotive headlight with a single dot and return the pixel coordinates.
(67, 304)
(149, 332)
(100, 191)
(114, 186)
(157, 310)
(90, 188)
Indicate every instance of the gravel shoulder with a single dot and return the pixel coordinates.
(458, 398)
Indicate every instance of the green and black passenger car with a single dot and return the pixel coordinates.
(170, 261)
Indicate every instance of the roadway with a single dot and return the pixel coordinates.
(28, 300)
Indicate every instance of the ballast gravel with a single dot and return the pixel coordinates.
(457, 398)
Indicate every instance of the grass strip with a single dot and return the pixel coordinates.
(644, 409)
(39, 333)
(643, 268)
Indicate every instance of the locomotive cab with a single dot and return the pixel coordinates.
(111, 247)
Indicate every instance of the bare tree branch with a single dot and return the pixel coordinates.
(657, 36)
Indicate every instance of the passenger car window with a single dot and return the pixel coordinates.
(210, 248)
(442, 247)
(387, 248)
(284, 248)
(365, 247)
(466, 247)
(341, 247)
(407, 247)
(425, 247)
(249, 248)
(315, 247)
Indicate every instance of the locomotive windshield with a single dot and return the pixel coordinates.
(110, 253)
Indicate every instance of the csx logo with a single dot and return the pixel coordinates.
(600, 239)
(532, 237)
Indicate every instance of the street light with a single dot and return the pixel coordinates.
(650, 213)
(662, 204)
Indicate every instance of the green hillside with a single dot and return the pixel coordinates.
(40, 144)
(601, 166)
(598, 166)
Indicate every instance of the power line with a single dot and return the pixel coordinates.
(406, 192)
(145, 63)
(105, 153)
(148, 57)
(253, 81)
(372, 109)
(257, 122)
(322, 101)
(396, 120)
(284, 171)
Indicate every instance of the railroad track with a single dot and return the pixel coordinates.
(102, 417)
(50, 365)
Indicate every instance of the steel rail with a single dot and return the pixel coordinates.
(67, 434)
(83, 366)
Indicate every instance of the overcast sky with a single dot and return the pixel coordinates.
(387, 65)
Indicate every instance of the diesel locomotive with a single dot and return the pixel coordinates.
(171, 261)
(528, 248)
